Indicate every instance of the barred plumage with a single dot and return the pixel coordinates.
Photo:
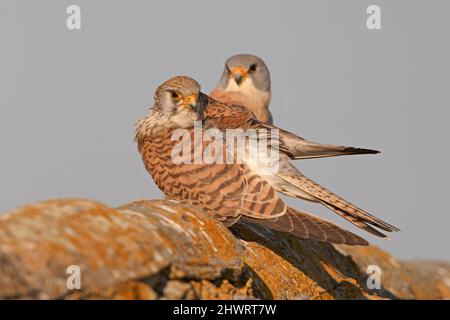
(230, 191)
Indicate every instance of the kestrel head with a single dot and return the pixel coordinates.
(245, 69)
(180, 100)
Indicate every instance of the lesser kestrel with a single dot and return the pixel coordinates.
(245, 81)
(230, 191)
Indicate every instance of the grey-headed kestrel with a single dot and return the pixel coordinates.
(231, 191)
(245, 81)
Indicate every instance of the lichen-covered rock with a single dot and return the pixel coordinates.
(293, 268)
(39, 242)
(131, 252)
(161, 249)
(417, 279)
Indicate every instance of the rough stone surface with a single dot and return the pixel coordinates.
(416, 279)
(161, 249)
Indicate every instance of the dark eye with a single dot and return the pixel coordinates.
(252, 68)
(175, 95)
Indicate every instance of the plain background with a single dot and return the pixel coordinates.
(69, 99)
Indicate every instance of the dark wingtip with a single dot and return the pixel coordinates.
(362, 151)
(395, 229)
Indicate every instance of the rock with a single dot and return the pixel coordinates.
(419, 279)
(161, 249)
(292, 268)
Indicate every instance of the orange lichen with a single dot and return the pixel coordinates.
(163, 249)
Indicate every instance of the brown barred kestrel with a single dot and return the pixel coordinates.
(230, 191)
(245, 81)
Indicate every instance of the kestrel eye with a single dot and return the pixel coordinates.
(252, 68)
(175, 95)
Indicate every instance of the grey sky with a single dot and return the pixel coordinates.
(69, 99)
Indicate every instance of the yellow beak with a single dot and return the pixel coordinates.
(190, 101)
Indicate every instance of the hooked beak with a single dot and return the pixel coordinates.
(190, 101)
(239, 74)
(238, 78)
(194, 102)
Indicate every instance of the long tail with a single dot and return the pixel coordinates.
(304, 225)
(345, 209)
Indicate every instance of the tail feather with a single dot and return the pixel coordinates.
(339, 205)
(360, 224)
(304, 225)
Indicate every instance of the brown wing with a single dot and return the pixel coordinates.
(225, 116)
(298, 148)
(304, 225)
(229, 97)
(226, 191)
(254, 104)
